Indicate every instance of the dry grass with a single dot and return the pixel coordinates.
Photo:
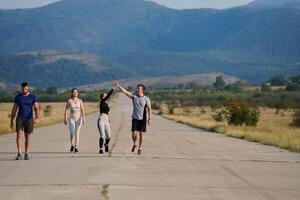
(273, 129)
(56, 116)
(258, 88)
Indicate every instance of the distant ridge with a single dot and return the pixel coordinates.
(274, 3)
(203, 79)
(8, 87)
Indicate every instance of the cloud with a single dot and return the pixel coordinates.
(178, 4)
(185, 4)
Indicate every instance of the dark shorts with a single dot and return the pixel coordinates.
(25, 125)
(139, 125)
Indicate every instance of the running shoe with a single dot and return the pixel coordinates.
(76, 150)
(140, 151)
(133, 148)
(26, 157)
(106, 148)
(72, 149)
(100, 151)
(19, 157)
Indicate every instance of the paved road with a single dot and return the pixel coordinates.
(178, 162)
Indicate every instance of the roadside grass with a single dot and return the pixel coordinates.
(272, 129)
(56, 116)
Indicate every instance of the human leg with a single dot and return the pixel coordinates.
(107, 134)
(78, 125)
(72, 133)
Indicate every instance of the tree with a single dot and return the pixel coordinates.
(278, 80)
(293, 84)
(238, 112)
(180, 86)
(235, 87)
(265, 87)
(296, 79)
(192, 85)
(51, 90)
(220, 83)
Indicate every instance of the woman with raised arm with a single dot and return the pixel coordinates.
(104, 122)
(76, 118)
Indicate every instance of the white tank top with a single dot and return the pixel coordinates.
(75, 106)
(75, 111)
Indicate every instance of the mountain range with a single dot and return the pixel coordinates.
(108, 39)
(203, 79)
(274, 3)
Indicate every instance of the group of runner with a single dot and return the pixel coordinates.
(26, 102)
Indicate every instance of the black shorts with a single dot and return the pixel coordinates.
(25, 125)
(139, 125)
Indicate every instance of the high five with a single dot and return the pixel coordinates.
(25, 102)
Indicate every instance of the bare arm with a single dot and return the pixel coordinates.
(126, 92)
(65, 114)
(36, 111)
(13, 115)
(149, 109)
(108, 94)
(82, 111)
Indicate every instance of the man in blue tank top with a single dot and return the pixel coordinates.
(24, 102)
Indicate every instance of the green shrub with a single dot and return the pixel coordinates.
(155, 106)
(266, 88)
(171, 109)
(278, 80)
(235, 87)
(220, 83)
(238, 113)
(48, 110)
(296, 119)
(219, 116)
(282, 104)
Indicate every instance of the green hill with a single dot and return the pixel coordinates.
(60, 69)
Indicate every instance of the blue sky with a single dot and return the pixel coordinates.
(179, 4)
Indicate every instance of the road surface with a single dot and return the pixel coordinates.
(178, 162)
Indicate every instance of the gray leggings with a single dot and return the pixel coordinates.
(104, 126)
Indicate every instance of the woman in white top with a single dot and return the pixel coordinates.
(76, 119)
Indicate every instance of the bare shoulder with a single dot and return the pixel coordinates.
(81, 101)
(69, 101)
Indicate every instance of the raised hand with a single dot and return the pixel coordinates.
(117, 84)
